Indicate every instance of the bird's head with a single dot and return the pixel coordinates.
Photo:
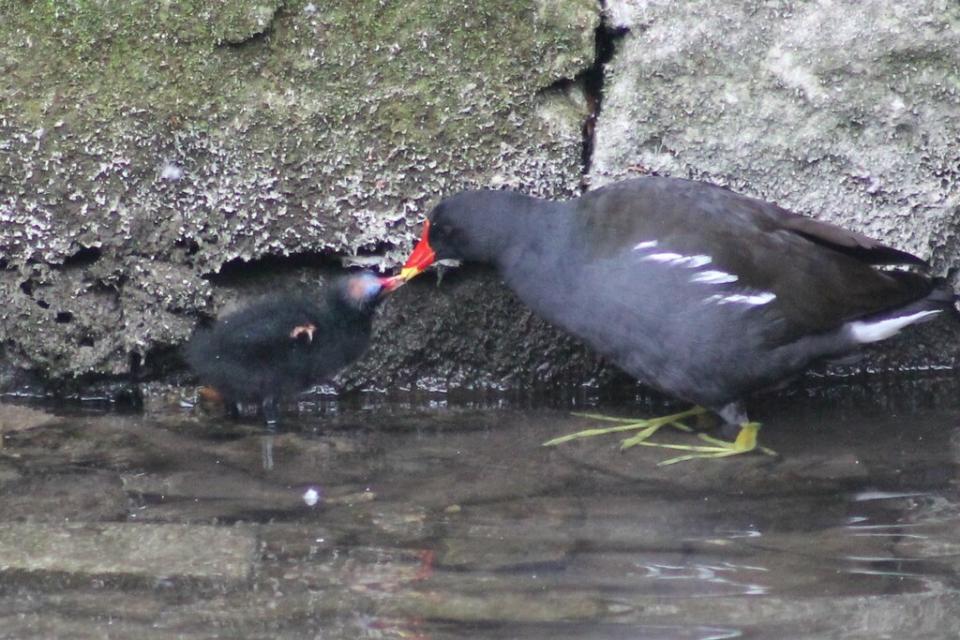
(363, 291)
(469, 226)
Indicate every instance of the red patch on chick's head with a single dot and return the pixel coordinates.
(303, 330)
(364, 288)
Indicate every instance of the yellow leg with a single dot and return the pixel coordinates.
(646, 428)
(745, 442)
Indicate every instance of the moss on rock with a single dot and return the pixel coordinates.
(175, 138)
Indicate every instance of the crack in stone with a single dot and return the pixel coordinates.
(589, 81)
(605, 39)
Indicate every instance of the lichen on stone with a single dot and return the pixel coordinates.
(176, 138)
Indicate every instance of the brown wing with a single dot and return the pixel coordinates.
(861, 247)
(822, 275)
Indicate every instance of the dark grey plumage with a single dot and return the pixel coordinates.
(283, 344)
(698, 291)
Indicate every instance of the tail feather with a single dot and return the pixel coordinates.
(864, 331)
(941, 298)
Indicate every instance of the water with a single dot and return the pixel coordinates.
(440, 519)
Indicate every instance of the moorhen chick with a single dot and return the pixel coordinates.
(285, 343)
(698, 291)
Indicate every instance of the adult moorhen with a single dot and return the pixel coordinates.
(285, 343)
(695, 290)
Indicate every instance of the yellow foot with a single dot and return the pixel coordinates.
(746, 441)
(646, 428)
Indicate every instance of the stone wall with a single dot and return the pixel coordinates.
(843, 110)
(160, 161)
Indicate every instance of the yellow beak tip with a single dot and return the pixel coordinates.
(408, 273)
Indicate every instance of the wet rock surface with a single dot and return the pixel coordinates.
(147, 551)
(391, 519)
(17, 418)
(59, 495)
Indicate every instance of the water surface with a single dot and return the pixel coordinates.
(431, 518)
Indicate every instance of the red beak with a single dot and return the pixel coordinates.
(422, 257)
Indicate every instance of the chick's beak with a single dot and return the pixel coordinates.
(390, 284)
(422, 257)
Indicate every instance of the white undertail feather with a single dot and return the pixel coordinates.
(875, 330)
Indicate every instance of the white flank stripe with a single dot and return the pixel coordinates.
(753, 299)
(678, 260)
(663, 257)
(699, 261)
(649, 244)
(714, 277)
(862, 331)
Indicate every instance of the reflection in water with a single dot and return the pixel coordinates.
(724, 575)
(312, 496)
(863, 496)
(451, 521)
(266, 452)
(742, 533)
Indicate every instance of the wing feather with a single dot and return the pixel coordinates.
(822, 275)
